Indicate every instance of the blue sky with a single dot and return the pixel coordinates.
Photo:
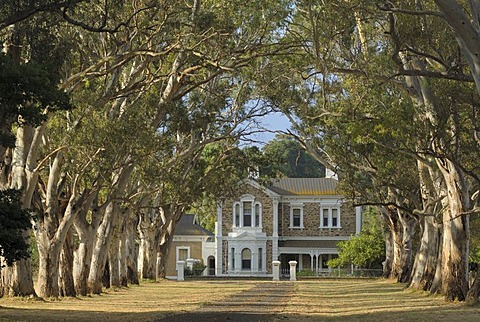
(272, 122)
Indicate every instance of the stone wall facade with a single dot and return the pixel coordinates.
(311, 221)
(260, 196)
(311, 205)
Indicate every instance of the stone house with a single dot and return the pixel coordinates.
(191, 242)
(299, 219)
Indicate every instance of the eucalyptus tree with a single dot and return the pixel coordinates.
(284, 156)
(464, 19)
(154, 60)
(449, 116)
(346, 72)
(30, 94)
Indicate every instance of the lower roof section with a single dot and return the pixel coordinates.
(308, 243)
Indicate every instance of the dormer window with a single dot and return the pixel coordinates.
(247, 212)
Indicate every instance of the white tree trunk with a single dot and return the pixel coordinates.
(455, 234)
(466, 33)
(425, 262)
(147, 255)
(104, 232)
(17, 280)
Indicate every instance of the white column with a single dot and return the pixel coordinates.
(219, 217)
(264, 256)
(218, 240)
(358, 219)
(276, 270)
(300, 262)
(238, 259)
(241, 215)
(180, 271)
(190, 262)
(293, 270)
(275, 230)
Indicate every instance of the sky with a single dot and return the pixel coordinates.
(272, 122)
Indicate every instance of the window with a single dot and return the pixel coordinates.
(247, 212)
(260, 259)
(236, 219)
(330, 217)
(258, 211)
(334, 217)
(183, 253)
(233, 258)
(246, 259)
(325, 218)
(296, 216)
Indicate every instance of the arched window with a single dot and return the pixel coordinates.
(246, 259)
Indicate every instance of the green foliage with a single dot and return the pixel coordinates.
(196, 270)
(306, 272)
(367, 249)
(281, 157)
(27, 91)
(13, 222)
(285, 157)
(474, 248)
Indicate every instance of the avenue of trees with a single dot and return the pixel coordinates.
(118, 116)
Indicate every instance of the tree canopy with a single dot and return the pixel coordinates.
(14, 222)
(365, 250)
(384, 93)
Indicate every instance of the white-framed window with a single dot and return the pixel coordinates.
(247, 212)
(296, 216)
(246, 259)
(329, 217)
(182, 253)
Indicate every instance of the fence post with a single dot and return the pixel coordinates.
(180, 271)
(293, 270)
(276, 270)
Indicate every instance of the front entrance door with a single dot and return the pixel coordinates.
(211, 265)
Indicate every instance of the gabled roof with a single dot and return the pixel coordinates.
(305, 186)
(188, 226)
(257, 185)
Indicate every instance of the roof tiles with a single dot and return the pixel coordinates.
(304, 186)
(188, 226)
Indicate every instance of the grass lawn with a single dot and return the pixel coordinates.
(246, 300)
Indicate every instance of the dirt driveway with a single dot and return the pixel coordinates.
(263, 302)
(242, 300)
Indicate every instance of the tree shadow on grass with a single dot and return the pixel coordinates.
(457, 313)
